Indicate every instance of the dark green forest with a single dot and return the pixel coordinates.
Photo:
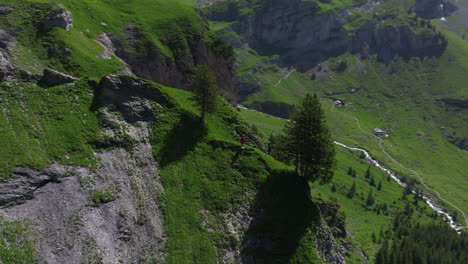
(411, 242)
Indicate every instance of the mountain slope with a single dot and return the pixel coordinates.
(385, 82)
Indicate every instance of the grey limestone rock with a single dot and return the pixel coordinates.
(59, 18)
(5, 10)
(52, 78)
(153, 65)
(22, 183)
(71, 227)
(7, 68)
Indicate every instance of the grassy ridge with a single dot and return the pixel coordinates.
(362, 221)
(168, 24)
(403, 96)
(40, 126)
(206, 176)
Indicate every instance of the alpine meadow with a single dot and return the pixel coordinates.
(233, 131)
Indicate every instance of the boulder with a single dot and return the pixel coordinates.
(5, 10)
(29, 76)
(52, 78)
(6, 66)
(131, 96)
(7, 40)
(59, 18)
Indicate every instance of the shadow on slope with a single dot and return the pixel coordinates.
(284, 215)
(182, 138)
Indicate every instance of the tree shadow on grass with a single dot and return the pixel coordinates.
(283, 213)
(182, 139)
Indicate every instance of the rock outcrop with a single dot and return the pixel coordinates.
(7, 69)
(23, 182)
(109, 53)
(5, 10)
(52, 78)
(110, 214)
(122, 90)
(434, 8)
(59, 18)
(332, 227)
(150, 63)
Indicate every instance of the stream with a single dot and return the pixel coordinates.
(447, 217)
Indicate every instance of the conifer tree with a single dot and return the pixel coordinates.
(379, 187)
(372, 181)
(205, 90)
(309, 143)
(352, 191)
(370, 198)
(368, 173)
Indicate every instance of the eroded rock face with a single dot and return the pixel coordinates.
(121, 90)
(59, 18)
(23, 182)
(109, 53)
(390, 41)
(303, 36)
(150, 63)
(72, 221)
(7, 68)
(52, 78)
(434, 8)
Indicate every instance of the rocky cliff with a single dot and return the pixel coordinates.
(434, 8)
(304, 35)
(110, 214)
(146, 60)
(114, 208)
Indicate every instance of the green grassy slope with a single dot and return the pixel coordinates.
(168, 24)
(403, 96)
(206, 175)
(39, 126)
(16, 243)
(362, 221)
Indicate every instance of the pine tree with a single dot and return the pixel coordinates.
(372, 181)
(368, 173)
(370, 198)
(333, 188)
(352, 191)
(309, 142)
(350, 171)
(379, 187)
(205, 90)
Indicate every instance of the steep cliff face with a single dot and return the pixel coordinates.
(7, 40)
(295, 30)
(434, 8)
(391, 41)
(107, 215)
(146, 60)
(304, 35)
